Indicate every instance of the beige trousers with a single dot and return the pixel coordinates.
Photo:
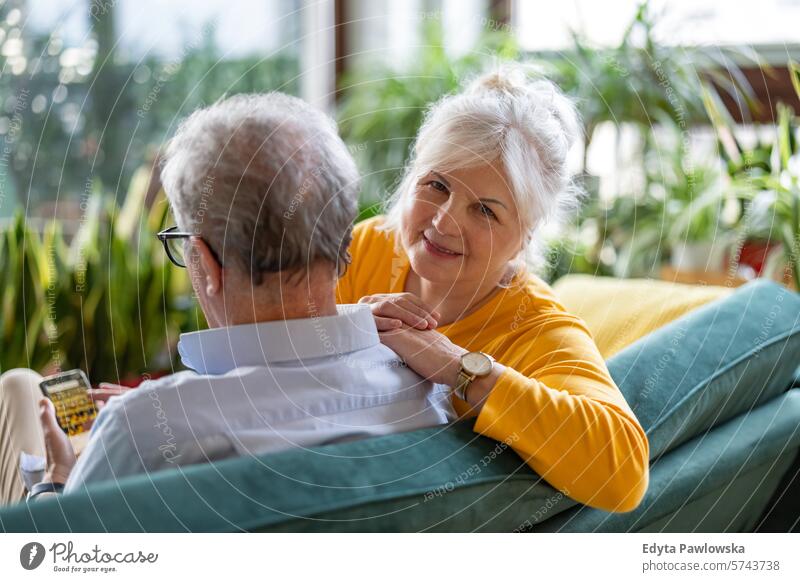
(20, 429)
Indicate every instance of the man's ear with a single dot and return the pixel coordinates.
(211, 270)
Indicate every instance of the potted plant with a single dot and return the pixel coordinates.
(768, 188)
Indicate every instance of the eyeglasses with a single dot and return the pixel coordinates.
(174, 241)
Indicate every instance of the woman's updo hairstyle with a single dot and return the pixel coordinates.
(511, 114)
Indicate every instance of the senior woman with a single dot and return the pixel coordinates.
(445, 273)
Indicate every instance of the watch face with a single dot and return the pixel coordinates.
(476, 363)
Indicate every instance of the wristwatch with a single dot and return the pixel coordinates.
(473, 365)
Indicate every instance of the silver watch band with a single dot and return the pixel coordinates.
(462, 384)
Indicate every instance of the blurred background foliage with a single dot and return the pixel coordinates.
(109, 301)
(86, 284)
(85, 120)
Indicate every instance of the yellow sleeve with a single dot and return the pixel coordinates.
(567, 419)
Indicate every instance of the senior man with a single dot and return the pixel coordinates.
(264, 193)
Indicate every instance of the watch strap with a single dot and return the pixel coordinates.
(44, 487)
(463, 382)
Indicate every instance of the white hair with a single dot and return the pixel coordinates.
(266, 181)
(526, 123)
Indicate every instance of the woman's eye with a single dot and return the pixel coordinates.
(437, 185)
(486, 211)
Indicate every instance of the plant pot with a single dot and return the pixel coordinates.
(754, 253)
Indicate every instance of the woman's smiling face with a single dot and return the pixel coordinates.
(462, 226)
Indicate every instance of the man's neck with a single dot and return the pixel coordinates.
(295, 307)
(281, 297)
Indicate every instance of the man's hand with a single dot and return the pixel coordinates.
(60, 455)
(101, 395)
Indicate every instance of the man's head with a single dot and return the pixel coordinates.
(270, 192)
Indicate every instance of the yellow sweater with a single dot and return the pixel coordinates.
(556, 404)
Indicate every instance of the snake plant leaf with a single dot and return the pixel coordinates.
(794, 73)
(785, 134)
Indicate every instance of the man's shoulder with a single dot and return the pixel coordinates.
(148, 390)
(180, 396)
(380, 369)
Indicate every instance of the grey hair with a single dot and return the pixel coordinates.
(507, 114)
(266, 181)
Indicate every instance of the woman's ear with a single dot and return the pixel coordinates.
(527, 238)
(210, 271)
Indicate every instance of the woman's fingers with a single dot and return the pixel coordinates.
(417, 307)
(405, 311)
(387, 323)
(410, 301)
(417, 314)
(405, 307)
(418, 302)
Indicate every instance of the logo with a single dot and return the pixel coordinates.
(31, 555)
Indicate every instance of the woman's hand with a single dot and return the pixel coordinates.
(392, 310)
(433, 356)
(428, 352)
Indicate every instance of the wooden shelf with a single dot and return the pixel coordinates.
(718, 278)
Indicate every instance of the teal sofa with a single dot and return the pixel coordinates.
(722, 416)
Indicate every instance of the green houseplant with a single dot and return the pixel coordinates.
(781, 190)
(641, 82)
(24, 280)
(765, 179)
(108, 303)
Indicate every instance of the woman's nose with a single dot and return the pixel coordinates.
(444, 221)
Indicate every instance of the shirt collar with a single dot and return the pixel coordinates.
(219, 350)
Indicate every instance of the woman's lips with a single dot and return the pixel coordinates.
(438, 251)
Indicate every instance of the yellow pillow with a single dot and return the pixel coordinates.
(620, 311)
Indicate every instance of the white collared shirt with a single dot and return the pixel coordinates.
(260, 388)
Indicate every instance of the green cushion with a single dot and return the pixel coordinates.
(730, 472)
(450, 478)
(719, 361)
